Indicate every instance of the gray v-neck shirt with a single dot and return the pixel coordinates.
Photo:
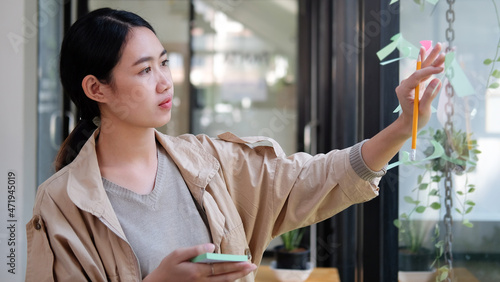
(162, 221)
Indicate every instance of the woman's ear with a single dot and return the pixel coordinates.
(94, 89)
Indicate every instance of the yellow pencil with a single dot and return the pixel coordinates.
(415, 116)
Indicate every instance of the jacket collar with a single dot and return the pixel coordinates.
(87, 192)
(197, 166)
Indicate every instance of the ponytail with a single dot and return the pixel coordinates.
(74, 143)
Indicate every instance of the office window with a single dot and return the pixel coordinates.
(243, 69)
(462, 183)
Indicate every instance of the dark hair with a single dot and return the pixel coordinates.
(93, 45)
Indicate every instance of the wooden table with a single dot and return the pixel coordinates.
(460, 275)
(319, 274)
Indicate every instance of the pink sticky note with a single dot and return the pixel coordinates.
(427, 44)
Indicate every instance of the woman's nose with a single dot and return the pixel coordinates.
(164, 82)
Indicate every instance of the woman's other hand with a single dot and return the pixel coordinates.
(177, 266)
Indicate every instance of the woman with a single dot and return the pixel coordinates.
(129, 203)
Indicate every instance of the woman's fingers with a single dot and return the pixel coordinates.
(416, 78)
(430, 93)
(433, 55)
(186, 254)
(230, 271)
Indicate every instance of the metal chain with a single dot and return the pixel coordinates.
(449, 110)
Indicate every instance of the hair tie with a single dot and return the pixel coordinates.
(97, 121)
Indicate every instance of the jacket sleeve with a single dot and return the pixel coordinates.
(276, 192)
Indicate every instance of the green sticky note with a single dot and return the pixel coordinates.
(404, 157)
(216, 258)
(448, 59)
(406, 49)
(459, 80)
(384, 52)
(398, 109)
(433, 2)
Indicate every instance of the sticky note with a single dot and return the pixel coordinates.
(407, 49)
(427, 44)
(433, 2)
(405, 156)
(216, 258)
(456, 76)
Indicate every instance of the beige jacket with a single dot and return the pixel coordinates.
(250, 191)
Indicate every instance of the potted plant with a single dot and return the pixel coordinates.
(292, 254)
(415, 234)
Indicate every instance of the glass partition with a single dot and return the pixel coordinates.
(50, 100)
(243, 69)
(449, 213)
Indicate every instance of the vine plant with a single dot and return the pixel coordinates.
(495, 73)
(427, 194)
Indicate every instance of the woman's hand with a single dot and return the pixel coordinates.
(406, 90)
(380, 149)
(178, 267)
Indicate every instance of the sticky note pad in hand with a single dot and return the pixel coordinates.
(215, 258)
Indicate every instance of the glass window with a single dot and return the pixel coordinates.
(462, 181)
(243, 69)
(50, 100)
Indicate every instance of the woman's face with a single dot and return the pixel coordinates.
(141, 90)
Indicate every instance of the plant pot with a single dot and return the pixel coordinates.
(295, 259)
(291, 275)
(419, 261)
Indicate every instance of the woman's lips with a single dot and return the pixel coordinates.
(166, 104)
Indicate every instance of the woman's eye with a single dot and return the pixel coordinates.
(164, 63)
(146, 70)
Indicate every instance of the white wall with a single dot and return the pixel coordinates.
(18, 46)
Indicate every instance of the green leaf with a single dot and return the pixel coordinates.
(436, 205)
(404, 215)
(467, 223)
(494, 85)
(470, 203)
(423, 186)
(496, 74)
(410, 200)
(457, 210)
(460, 193)
(487, 61)
(471, 190)
(420, 209)
(397, 223)
(436, 229)
(443, 275)
(433, 192)
(468, 210)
